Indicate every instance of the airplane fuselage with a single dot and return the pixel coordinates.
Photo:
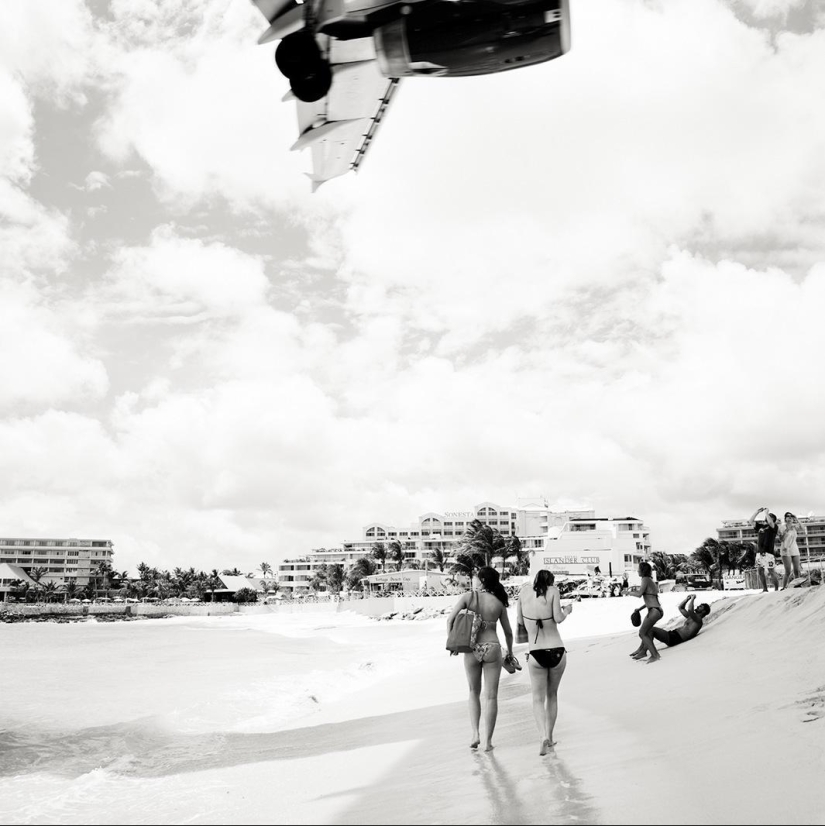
(437, 37)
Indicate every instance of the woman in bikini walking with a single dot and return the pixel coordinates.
(486, 657)
(540, 611)
(650, 594)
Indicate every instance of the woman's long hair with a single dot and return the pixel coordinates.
(645, 569)
(488, 577)
(800, 528)
(544, 579)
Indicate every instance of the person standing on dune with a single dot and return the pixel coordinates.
(766, 529)
(789, 550)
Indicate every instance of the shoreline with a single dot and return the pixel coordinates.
(61, 613)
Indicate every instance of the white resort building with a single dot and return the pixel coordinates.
(578, 546)
(60, 560)
(614, 544)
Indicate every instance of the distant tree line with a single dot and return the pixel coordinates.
(150, 582)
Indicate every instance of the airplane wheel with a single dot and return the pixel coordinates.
(313, 82)
(295, 52)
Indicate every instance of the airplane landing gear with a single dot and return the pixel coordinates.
(299, 59)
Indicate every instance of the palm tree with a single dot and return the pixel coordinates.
(740, 555)
(213, 582)
(103, 571)
(71, 590)
(395, 552)
(319, 578)
(266, 569)
(335, 577)
(467, 563)
(364, 567)
(706, 555)
(379, 554)
(232, 572)
(164, 585)
(481, 538)
(199, 584)
(512, 547)
(17, 588)
(270, 586)
(662, 563)
(439, 558)
(37, 574)
(51, 590)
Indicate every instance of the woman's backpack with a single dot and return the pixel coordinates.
(461, 638)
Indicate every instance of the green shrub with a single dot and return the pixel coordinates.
(245, 595)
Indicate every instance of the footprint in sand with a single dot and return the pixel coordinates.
(814, 705)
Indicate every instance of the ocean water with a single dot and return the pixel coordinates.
(95, 712)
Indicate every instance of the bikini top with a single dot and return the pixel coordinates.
(539, 624)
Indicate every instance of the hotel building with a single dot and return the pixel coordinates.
(294, 575)
(532, 521)
(62, 560)
(616, 545)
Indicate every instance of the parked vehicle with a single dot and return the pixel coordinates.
(598, 587)
(698, 582)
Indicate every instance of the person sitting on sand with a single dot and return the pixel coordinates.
(486, 657)
(540, 611)
(689, 628)
(650, 594)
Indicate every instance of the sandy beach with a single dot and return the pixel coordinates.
(725, 729)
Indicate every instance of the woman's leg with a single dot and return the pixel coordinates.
(539, 684)
(641, 652)
(645, 632)
(797, 572)
(553, 699)
(786, 561)
(492, 674)
(472, 667)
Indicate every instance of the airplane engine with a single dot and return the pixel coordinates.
(458, 39)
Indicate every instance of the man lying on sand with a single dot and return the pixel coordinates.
(689, 628)
(684, 632)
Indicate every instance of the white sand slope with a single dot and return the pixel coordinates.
(728, 728)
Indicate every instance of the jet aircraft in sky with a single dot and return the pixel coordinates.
(344, 58)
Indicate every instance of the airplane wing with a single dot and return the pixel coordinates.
(340, 127)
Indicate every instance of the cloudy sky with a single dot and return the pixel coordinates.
(601, 280)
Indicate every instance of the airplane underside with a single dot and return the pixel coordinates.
(431, 37)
